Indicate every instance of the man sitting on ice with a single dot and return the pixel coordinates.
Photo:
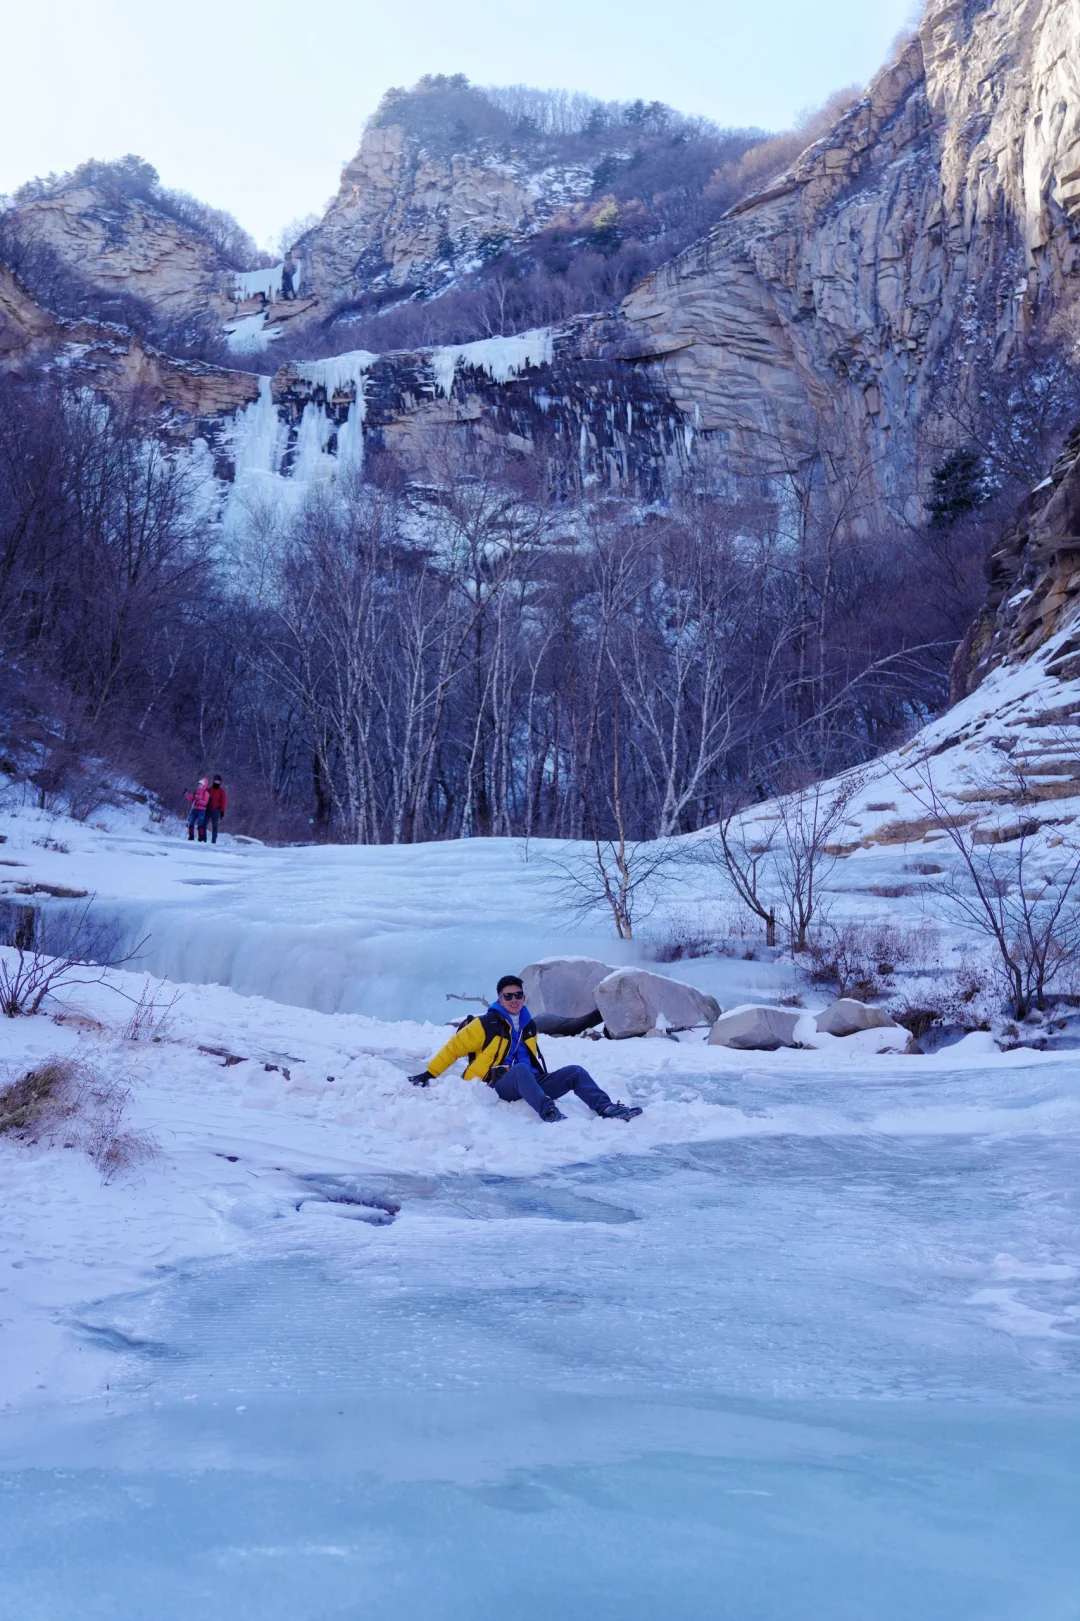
(502, 1050)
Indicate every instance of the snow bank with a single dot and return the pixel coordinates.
(817, 1298)
(250, 334)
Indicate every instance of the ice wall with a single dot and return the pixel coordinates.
(251, 283)
(500, 358)
(277, 466)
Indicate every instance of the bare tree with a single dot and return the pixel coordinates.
(776, 858)
(1019, 895)
(44, 955)
(623, 874)
(741, 847)
(808, 822)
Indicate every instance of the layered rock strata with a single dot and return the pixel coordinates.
(935, 223)
(404, 216)
(191, 396)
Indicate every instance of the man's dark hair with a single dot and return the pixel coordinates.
(508, 979)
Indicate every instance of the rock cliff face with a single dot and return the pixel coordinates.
(533, 395)
(189, 395)
(405, 217)
(130, 248)
(1034, 584)
(940, 216)
(936, 224)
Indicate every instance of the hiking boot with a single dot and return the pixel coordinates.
(550, 1113)
(618, 1111)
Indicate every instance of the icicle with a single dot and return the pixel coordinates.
(500, 358)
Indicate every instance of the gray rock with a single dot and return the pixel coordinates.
(846, 1017)
(755, 1028)
(564, 989)
(633, 1002)
(555, 1024)
(940, 1036)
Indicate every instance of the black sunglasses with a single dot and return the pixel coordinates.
(513, 996)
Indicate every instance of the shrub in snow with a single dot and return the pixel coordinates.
(64, 1101)
(856, 957)
(151, 1015)
(1022, 896)
(755, 1028)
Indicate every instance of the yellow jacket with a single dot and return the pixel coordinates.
(485, 1042)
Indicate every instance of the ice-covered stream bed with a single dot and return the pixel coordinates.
(827, 1371)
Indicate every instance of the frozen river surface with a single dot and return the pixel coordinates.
(818, 1375)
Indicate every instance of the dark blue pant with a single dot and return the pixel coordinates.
(213, 817)
(523, 1082)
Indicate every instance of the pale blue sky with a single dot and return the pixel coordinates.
(254, 105)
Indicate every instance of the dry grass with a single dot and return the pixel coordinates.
(151, 1017)
(44, 1094)
(68, 1103)
(911, 832)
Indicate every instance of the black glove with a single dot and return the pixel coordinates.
(423, 1079)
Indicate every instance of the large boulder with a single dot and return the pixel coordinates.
(846, 1017)
(633, 1002)
(561, 994)
(564, 985)
(755, 1028)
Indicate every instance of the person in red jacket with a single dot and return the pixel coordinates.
(199, 799)
(216, 807)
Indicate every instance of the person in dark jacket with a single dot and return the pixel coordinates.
(215, 810)
(502, 1049)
